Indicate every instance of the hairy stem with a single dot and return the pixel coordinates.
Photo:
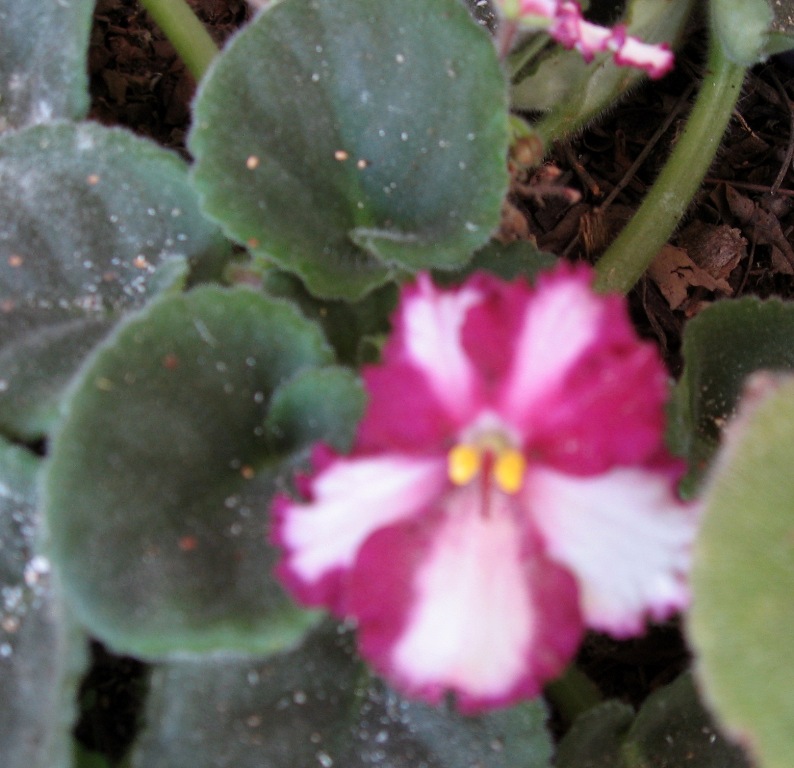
(186, 33)
(664, 206)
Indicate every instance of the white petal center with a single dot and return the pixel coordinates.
(472, 623)
(352, 499)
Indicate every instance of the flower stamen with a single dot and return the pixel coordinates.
(504, 464)
(463, 463)
(508, 470)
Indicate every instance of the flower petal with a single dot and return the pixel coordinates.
(403, 413)
(557, 325)
(610, 411)
(624, 535)
(656, 60)
(428, 337)
(584, 390)
(465, 602)
(492, 326)
(349, 500)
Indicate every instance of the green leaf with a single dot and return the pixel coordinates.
(83, 758)
(673, 729)
(744, 26)
(741, 625)
(314, 405)
(162, 473)
(317, 707)
(752, 30)
(721, 347)
(94, 222)
(781, 36)
(347, 139)
(43, 71)
(348, 326)
(41, 654)
(508, 261)
(595, 739)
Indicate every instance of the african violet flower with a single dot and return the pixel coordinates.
(508, 488)
(563, 20)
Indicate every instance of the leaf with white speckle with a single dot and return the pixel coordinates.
(93, 222)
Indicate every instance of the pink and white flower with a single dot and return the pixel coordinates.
(563, 21)
(508, 488)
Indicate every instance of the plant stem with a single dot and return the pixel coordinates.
(573, 693)
(525, 52)
(664, 206)
(186, 33)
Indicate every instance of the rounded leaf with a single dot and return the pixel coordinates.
(722, 346)
(596, 737)
(673, 728)
(316, 706)
(93, 221)
(41, 653)
(344, 139)
(741, 625)
(742, 27)
(162, 472)
(42, 79)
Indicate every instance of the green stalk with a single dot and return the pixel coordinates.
(186, 33)
(664, 206)
(573, 693)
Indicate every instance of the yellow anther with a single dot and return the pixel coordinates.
(463, 463)
(508, 470)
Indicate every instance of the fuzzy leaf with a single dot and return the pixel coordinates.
(519, 259)
(345, 139)
(595, 739)
(742, 26)
(317, 707)
(93, 221)
(313, 405)
(722, 346)
(741, 625)
(161, 475)
(673, 729)
(347, 325)
(43, 49)
(41, 654)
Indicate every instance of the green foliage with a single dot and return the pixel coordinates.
(671, 730)
(94, 222)
(744, 27)
(41, 652)
(348, 326)
(519, 259)
(41, 80)
(164, 467)
(742, 620)
(722, 346)
(371, 139)
(317, 706)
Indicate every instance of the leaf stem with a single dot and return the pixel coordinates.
(186, 33)
(664, 206)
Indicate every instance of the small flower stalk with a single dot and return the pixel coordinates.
(563, 21)
(508, 489)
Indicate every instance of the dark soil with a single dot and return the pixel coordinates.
(736, 240)
(137, 80)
